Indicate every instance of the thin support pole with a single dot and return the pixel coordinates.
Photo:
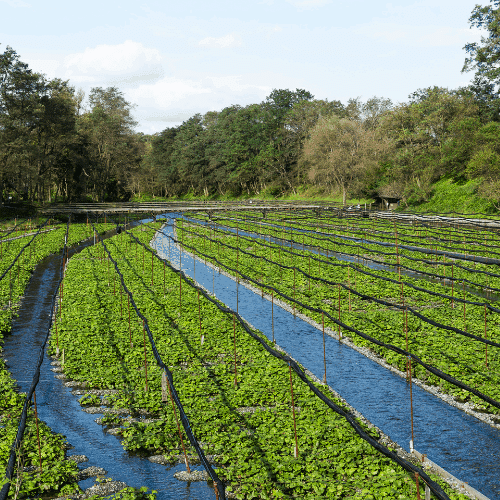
(463, 291)
(129, 327)
(485, 336)
(179, 428)
(145, 359)
(272, 313)
(349, 281)
(180, 294)
(340, 333)
(324, 345)
(452, 281)
(309, 273)
(37, 432)
(411, 409)
(296, 452)
(406, 337)
(234, 341)
(202, 337)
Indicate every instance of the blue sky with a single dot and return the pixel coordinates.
(177, 58)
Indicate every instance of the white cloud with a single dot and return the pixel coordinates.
(173, 100)
(308, 4)
(167, 92)
(121, 59)
(222, 42)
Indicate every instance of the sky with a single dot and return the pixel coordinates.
(172, 59)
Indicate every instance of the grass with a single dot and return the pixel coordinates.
(303, 193)
(452, 196)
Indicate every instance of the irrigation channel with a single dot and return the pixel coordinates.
(461, 444)
(458, 442)
(60, 409)
(488, 294)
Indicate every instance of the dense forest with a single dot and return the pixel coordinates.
(55, 144)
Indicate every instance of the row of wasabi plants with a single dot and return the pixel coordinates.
(410, 312)
(57, 476)
(236, 395)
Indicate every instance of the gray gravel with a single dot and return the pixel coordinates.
(91, 472)
(103, 489)
(78, 458)
(74, 383)
(195, 475)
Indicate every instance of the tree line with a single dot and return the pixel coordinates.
(53, 147)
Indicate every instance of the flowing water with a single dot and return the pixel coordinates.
(60, 410)
(461, 444)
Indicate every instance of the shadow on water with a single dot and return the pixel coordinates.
(461, 444)
(60, 410)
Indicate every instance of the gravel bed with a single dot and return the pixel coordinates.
(101, 392)
(93, 410)
(115, 431)
(195, 475)
(98, 409)
(104, 489)
(78, 458)
(179, 459)
(74, 383)
(91, 472)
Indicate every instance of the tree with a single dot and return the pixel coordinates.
(188, 156)
(484, 58)
(20, 91)
(114, 148)
(432, 138)
(484, 164)
(340, 151)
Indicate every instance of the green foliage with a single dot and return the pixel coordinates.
(254, 451)
(450, 196)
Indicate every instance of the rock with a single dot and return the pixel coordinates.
(116, 411)
(158, 459)
(115, 431)
(78, 458)
(104, 489)
(195, 475)
(91, 472)
(74, 383)
(93, 410)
